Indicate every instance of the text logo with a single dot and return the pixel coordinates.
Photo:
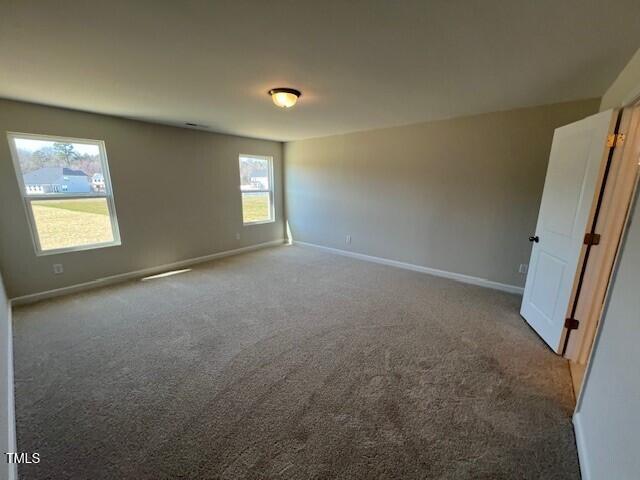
(22, 458)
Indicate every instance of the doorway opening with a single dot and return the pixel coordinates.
(591, 179)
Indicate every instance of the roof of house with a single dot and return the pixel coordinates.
(51, 175)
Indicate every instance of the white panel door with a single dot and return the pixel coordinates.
(573, 175)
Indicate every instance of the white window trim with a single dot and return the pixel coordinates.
(27, 199)
(271, 191)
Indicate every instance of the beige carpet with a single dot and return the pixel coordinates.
(290, 363)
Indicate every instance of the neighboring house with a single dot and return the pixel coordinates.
(97, 182)
(56, 180)
(260, 183)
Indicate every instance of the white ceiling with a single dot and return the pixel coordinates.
(360, 64)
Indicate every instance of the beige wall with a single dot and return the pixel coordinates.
(7, 426)
(459, 195)
(607, 420)
(176, 194)
(626, 87)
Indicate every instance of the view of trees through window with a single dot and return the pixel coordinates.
(257, 191)
(65, 191)
(56, 167)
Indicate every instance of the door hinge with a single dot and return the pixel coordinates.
(591, 238)
(571, 324)
(615, 139)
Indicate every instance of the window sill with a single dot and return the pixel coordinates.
(80, 248)
(246, 224)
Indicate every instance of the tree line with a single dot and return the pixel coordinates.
(59, 155)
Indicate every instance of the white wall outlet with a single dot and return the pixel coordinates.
(58, 268)
(524, 268)
(347, 240)
(237, 235)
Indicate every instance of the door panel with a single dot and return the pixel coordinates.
(564, 183)
(544, 296)
(576, 166)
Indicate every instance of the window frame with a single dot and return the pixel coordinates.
(270, 191)
(27, 199)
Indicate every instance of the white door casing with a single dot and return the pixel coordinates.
(574, 174)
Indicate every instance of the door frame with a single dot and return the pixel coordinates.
(611, 213)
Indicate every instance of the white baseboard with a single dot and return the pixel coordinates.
(145, 272)
(582, 448)
(482, 282)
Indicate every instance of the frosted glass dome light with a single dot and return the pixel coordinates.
(284, 97)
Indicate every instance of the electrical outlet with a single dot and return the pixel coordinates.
(523, 268)
(347, 240)
(237, 236)
(58, 268)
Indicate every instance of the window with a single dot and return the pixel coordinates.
(67, 192)
(256, 186)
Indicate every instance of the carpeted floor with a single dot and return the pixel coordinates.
(290, 363)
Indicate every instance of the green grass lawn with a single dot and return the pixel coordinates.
(255, 207)
(88, 205)
(72, 223)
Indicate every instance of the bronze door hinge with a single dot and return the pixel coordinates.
(591, 238)
(615, 139)
(571, 324)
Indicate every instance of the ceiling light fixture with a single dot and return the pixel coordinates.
(284, 97)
